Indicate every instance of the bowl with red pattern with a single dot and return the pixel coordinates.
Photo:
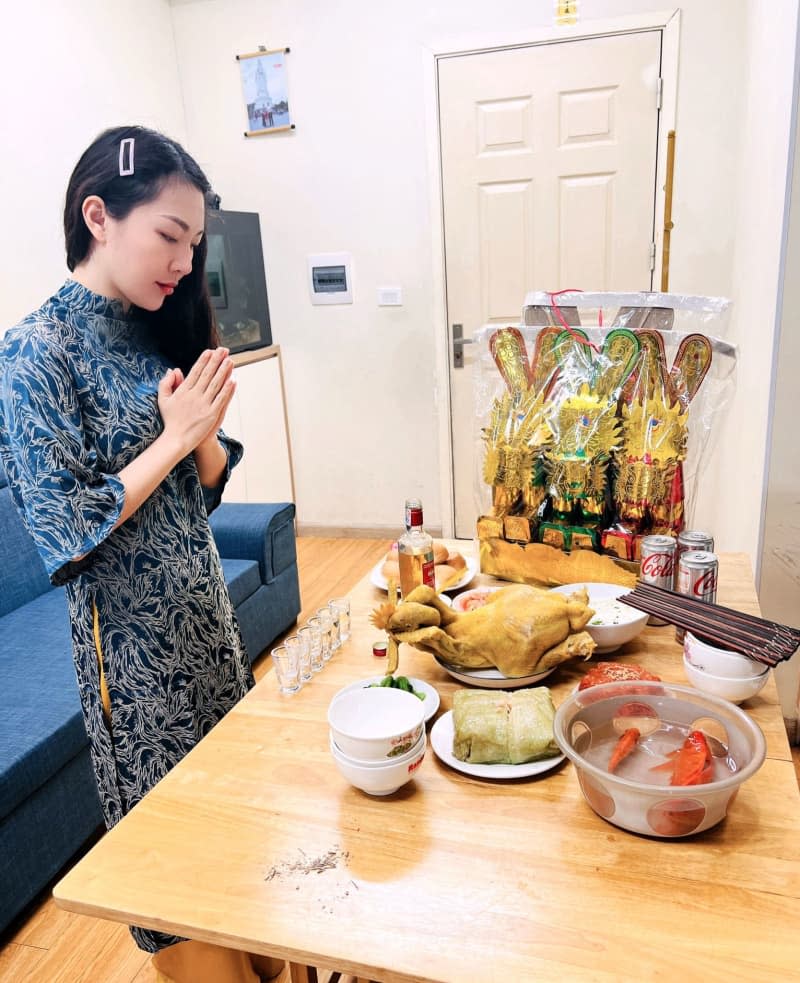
(656, 758)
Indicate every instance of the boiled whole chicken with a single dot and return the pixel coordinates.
(520, 630)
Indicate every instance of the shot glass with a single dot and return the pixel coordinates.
(287, 669)
(326, 623)
(314, 627)
(299, 643)
(342, 606)
(336, 639)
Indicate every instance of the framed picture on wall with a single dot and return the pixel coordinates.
(265, 91)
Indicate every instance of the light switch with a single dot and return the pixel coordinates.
(390, 296)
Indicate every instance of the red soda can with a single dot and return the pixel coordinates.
(658, 565)
(697, 578)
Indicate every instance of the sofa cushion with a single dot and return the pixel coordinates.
(41, 724)
(242, 578)
(24, 575)
(269, 612)
(257, 531)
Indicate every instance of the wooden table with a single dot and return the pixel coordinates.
(256, 842)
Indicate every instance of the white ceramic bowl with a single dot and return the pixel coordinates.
(614, 623)
(400, 759)
(581, 729)
(737, 689)
(719, 661)
(380, 778)
(376, 724)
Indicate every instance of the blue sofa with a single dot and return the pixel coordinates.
(48, 801)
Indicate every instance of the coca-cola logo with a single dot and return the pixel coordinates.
(706, 584)
(658, 565)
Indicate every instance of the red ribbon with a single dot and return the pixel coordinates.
(554, 304)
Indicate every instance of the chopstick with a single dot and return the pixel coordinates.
(759, 640)
(763, 641)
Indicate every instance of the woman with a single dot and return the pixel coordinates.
(113, 393)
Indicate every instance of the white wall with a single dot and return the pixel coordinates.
(760, 144)
(779, 588)
(68, 71)
(363, 382)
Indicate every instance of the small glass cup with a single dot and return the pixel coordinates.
(299, 643)
(336, 638)
(308, 636)
(326, 623)
(287, 669)
(314, 626)
(342, 606)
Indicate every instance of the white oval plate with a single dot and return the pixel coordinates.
(430, 703)
(442, 734)
(491, 678)
(382, 583)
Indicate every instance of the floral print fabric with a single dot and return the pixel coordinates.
(78, 403)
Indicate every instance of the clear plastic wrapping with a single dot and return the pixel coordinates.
(592, 418)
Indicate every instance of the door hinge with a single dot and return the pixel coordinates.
(659, 92)
(652, 256)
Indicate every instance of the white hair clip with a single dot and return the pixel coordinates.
(126, 144)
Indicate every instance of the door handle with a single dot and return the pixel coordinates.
(458, 345)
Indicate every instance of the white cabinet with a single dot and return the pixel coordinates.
(257, 417)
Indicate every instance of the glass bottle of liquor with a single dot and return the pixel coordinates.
(415, 551)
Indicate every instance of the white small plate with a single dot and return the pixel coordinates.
(382, 583)
(458, 603)
(491, 678)
(442, 734)
(430, 703)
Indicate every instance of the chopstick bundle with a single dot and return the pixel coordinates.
(763, 641)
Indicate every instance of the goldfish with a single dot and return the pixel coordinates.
(692, 763)
(623, 747)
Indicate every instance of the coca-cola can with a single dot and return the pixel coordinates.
(692, 539)
(697, 578)
(658, 565)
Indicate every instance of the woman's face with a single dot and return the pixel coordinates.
(148, 252)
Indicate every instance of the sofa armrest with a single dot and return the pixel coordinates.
(255, 531)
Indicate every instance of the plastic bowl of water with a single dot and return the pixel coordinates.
(638, 796)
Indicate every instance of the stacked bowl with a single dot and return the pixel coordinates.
(722, 672)
(377, 737)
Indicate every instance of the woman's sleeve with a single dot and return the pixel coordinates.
(68, 503)
(233, 451)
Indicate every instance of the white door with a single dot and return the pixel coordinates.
(548, 182)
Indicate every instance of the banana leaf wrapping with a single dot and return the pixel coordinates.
(497, 727)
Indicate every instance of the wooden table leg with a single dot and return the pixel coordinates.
(302, 974)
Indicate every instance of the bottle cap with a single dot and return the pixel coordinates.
(379, 649)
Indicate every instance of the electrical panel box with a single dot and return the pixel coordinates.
(329, 278)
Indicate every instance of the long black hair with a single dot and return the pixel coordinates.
(185, 324)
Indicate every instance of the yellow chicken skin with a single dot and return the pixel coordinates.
(520, 630)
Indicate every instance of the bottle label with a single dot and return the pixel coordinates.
(428, 574)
